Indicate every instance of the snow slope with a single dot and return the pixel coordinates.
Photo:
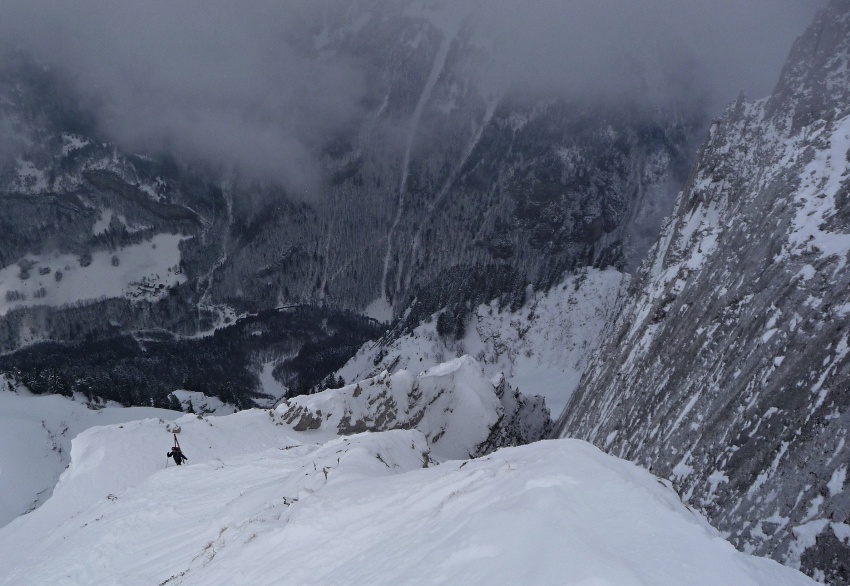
(260, 503)
(35, 443)
(458, 409)
(542, 348)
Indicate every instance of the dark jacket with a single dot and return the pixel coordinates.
(178, 456)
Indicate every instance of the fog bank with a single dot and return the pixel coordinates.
(247, 84)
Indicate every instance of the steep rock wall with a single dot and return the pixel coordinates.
(728, 370)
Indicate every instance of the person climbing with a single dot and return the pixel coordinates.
(177, 453)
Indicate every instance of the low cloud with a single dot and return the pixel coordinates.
(245, 84)
(660, 51)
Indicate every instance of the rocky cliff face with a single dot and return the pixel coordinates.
(728, 367)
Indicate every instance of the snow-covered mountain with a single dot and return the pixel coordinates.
(542, 347)
(460, 411)
(448, 168)
(454, 207)
(263, 503)
(446, 172)
(728, 370)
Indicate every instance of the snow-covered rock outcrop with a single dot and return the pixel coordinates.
(729, 367)
(260, 503)
(541, 348)
(460, 411)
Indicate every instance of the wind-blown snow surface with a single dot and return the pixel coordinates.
(543, 348)
(35, 442)
(260, 503)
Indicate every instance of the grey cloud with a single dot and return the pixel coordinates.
(240, 82)
(215, 79)
(656, 50)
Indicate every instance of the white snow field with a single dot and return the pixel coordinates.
(261, 503)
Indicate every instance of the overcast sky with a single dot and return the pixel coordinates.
(238, 82)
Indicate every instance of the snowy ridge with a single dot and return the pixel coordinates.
(458, 409)
(35, 442)
(261, 503)
(542, 348)
(196, 402)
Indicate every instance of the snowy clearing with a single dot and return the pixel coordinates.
(140, 271)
